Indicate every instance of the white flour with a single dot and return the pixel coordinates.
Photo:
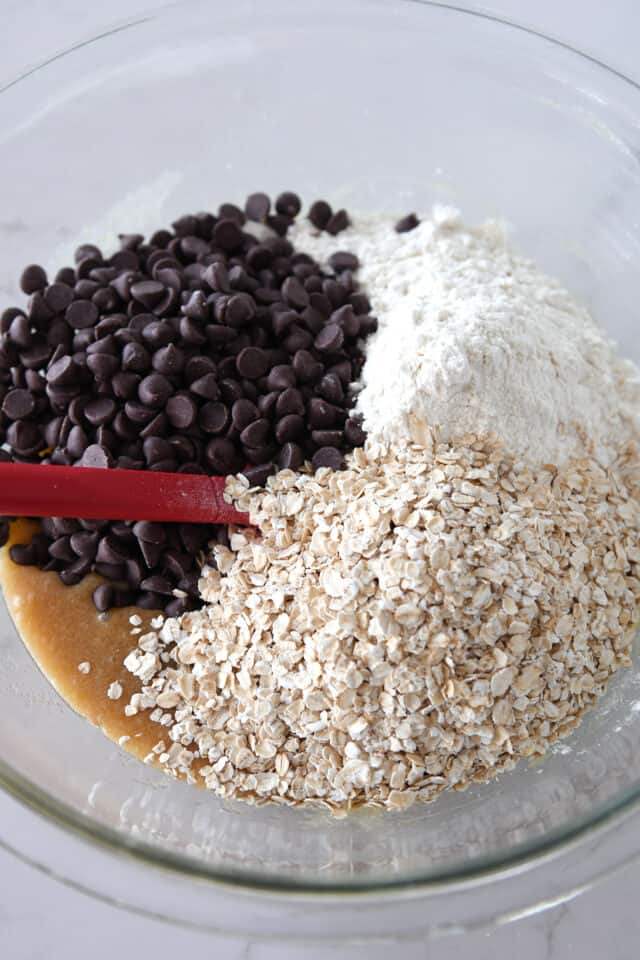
(474, 338)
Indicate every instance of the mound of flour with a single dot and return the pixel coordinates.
(474, 338)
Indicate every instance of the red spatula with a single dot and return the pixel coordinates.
(31, 490)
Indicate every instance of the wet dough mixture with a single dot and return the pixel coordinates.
(60, 627)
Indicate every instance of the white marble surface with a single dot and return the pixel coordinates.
(42, 918)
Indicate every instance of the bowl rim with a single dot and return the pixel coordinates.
(474, 872)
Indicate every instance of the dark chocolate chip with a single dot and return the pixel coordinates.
(342, 260)
(221, 456)
(154, 390)
(244, 412)
(257, 206)
(257, 475)
(294, 293)
(290, 401)
(25, 438)
(290, 457)
(410, 222)
(33, 278)
(23, 553)
(103, 365)
(81, 314)
(77, 442)
(214, 417)
(157, 584)
(256, 434)
(320, 213)
(327, 457)
(321, 414)
(97, 456)
(149, 532)
(227, 235)
(338, 222)
(18, 404)
(181, 411)
(240, 310)
(330, 339)
(354, 434)
(252, 363)
(291, 427)
(103, 597)
(206, 387)
(100, 411)
(288, 204)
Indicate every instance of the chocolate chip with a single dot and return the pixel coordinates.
(23, 553)
(18, 404)
(181, 411)
(81, 314)
(244, 412)
(354, 434)
(327, 438)
(338, 222)
(84, 543)
(154, 390)
(111, 549)
(252, 363)
(157, 584)
(327, 457)
(62, 372)
(168, 360)
(322, 414)
(33, 278)
(227, 235)
(221, 456)
(60, 549)
(77, 442)
(330, 388)
(240, 310)
(100, 411)
(156, 449)
(291, 427)
(97, 456)
(410, 222)
(206, 387)
(294, 293)
(257, 206)
(320, 213)
(24, 437)
(103, 365)
(290, 457)
(281, 377)
(343, 260)
(149, 532)
(213, 417)
(306, 367)
(197, 307)
(136, 358)
(258, 474)
(290, 401)
(256, 434)
(103, 597)
(288, 204)
(330, 339)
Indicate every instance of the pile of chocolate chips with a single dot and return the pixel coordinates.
(201, 350)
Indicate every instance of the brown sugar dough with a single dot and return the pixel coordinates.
(60, 627)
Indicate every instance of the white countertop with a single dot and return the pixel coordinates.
(42, 918)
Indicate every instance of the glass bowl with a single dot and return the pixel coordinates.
(389, 105)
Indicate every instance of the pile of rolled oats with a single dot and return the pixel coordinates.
(417, 621)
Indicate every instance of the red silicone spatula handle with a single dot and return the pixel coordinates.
(31, 490)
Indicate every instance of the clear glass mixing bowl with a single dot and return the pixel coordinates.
(388, 105)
